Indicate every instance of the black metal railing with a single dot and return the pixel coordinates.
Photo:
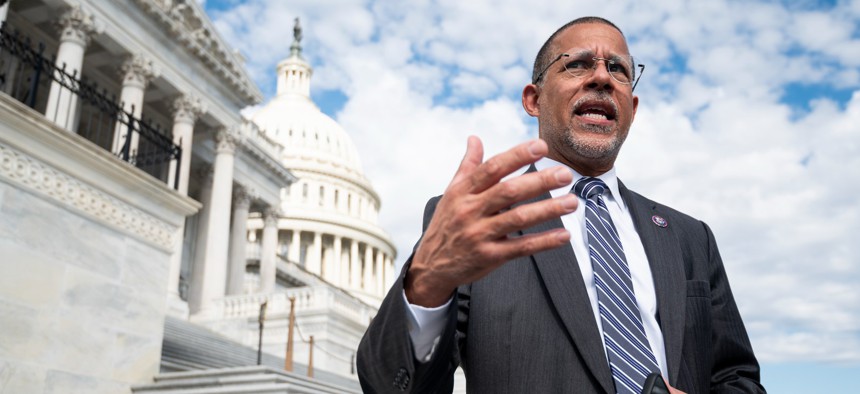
(26, 74)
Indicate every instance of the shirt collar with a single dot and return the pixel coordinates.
(608, 177)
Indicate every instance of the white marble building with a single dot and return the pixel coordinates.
(130, 252)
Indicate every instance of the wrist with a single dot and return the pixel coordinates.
(421, 289)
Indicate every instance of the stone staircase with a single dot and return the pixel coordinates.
(238, 380)
(196, 360)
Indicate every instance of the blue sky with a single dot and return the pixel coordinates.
(749, 119)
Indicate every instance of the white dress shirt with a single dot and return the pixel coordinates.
(426, 324)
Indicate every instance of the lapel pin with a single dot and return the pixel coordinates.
(659, 221)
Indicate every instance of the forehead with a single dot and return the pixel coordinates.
(598, 37)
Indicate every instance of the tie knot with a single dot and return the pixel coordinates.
(588, 187)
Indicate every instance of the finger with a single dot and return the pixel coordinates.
(471, 159)
(493, 170)
(528, 215)
(523, 187)
(530, 244)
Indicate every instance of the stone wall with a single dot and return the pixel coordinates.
(85, 246)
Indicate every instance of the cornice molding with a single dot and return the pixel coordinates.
(188, 24)
(266, 150)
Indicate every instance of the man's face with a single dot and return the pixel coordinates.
(585, 119)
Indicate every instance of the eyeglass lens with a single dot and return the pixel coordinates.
(579, 64)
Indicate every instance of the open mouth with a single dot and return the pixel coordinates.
(596, 110)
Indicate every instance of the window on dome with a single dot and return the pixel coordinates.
(305, 191)
(336, 198)
(322, 195)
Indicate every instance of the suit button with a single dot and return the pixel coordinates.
(401, 380)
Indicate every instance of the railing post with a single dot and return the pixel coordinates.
(288, 361)
(178, 168)
(261, 319)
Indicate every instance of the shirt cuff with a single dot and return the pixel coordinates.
(425, 327)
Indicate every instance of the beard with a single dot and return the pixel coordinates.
(586, 140)
(594, 148)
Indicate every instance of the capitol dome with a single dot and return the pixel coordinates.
(328, 218)
(310, 137)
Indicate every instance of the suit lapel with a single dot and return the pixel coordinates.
(560, 273)
(667, 268)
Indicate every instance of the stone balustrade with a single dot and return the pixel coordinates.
(317, 298)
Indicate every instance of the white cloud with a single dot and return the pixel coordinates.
(777, 184)
(468, 87)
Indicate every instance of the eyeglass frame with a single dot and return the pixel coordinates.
(594, 68)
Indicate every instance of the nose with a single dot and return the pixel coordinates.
(599, 77)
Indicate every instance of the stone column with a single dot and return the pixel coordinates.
(268, 269)
(294, 253)
(218, 231)
(368, 261)
(186, 110)
(76, 29)
(136, 72)
(314, 257)
(175, 306)
(238, 240)
(354, 267)
(367, 274)
(198, 265)
(338, 260)
(380, 272)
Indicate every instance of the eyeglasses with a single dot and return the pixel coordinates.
(583, 63)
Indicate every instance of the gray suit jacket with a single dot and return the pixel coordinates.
(528, 327)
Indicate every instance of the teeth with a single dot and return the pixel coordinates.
(593, 115)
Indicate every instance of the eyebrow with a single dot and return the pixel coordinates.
(589, 52)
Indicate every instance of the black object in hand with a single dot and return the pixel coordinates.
(654, 384)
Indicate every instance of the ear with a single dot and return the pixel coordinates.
(531, 93)
(635, 106)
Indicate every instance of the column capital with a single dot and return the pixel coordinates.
(242, 197)
(78, 25)
(187, 108)
(137, 70)
(270, 216)
(226, 139)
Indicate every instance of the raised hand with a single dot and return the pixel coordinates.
(467, 238)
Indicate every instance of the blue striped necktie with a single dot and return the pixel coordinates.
(630, 355)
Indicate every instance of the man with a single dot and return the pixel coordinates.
(536, 287)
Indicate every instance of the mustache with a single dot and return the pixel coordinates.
(600, 96)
